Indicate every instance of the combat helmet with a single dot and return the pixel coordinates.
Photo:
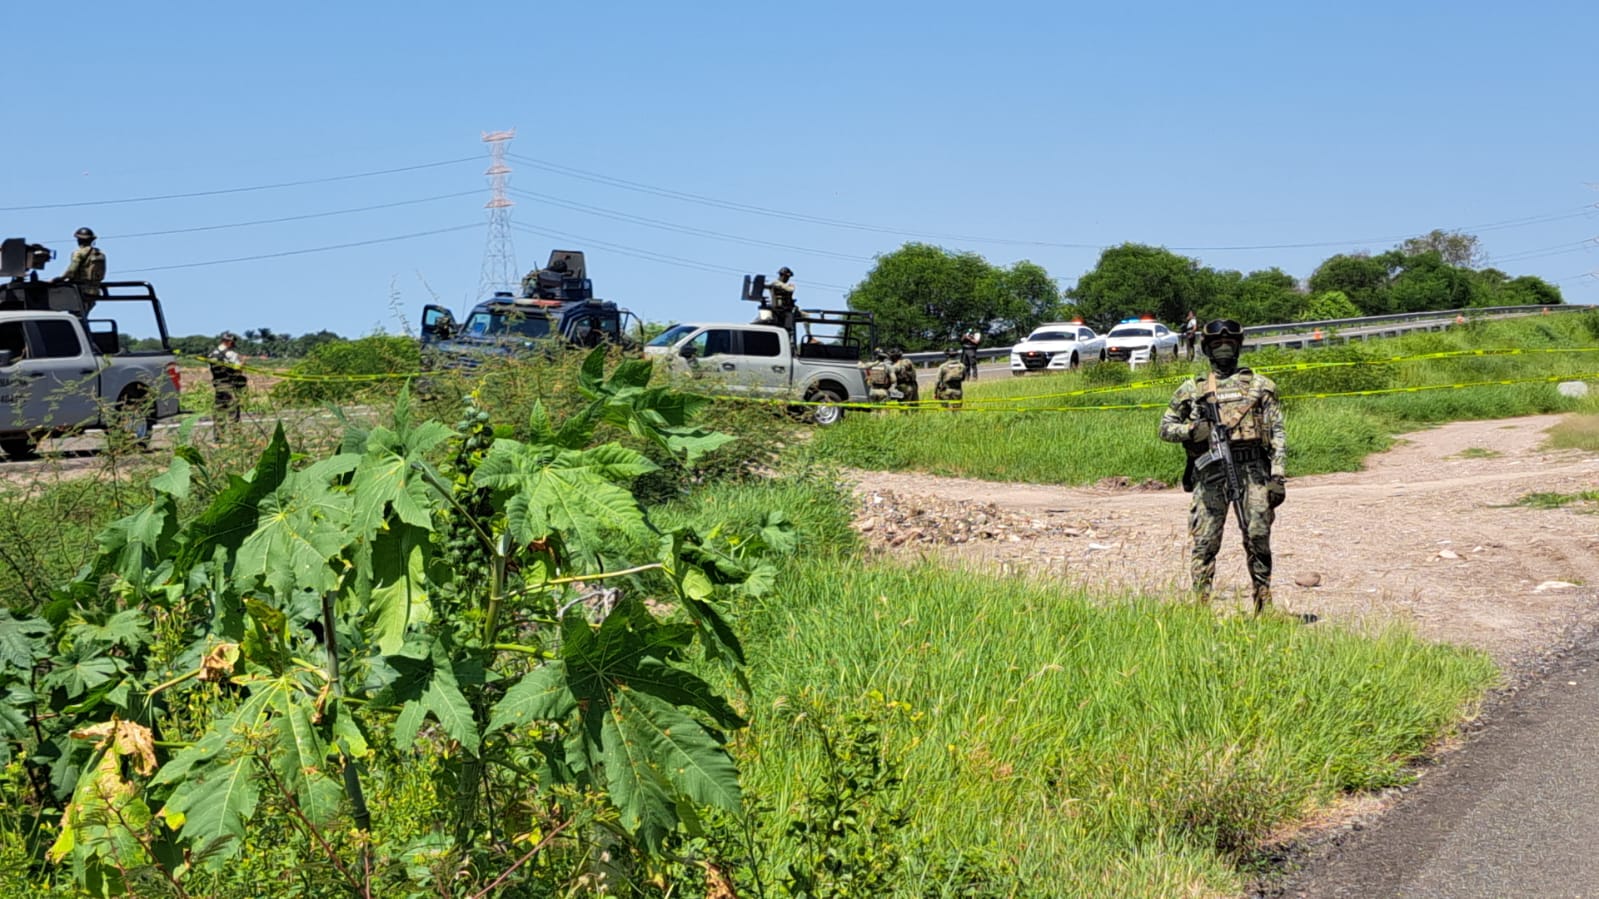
(84, 234)
(785, 272)
(1220, 329)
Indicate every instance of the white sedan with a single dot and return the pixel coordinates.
(1059, 346)
(1140, 340)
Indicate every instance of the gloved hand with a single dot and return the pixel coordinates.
(1276, 491)
(1200, 432)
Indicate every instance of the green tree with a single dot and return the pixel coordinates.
(1455, 247)
(1362, 278)
(1134, 279)
(1428, 282)
(924, 297)
(1266, 297)
(1325, 306)
(1527, 290)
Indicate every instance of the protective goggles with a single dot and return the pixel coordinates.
(1224, 327)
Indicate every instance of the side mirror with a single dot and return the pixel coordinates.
(688, 351)
(7, 357)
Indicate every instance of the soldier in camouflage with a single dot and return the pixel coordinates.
(950, 377)
(1247, 405)
(87, 265)
(904, 376)
(879, 377)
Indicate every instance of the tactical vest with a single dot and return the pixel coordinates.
(1238, 406)
(94, 266)
(951, 374)
(879, 375)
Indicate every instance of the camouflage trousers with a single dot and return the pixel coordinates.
(909, 393)
(1209, 515)
(878, 394)
(947, 394)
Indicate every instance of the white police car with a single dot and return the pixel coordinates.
(1058, 346)
(1140, 340)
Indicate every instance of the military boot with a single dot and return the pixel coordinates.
(1262, 598)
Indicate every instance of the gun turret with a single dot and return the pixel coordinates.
(18, 257)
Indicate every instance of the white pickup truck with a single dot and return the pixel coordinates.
(761, 359)
(63, 371)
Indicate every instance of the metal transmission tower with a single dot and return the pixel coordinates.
(499, 256)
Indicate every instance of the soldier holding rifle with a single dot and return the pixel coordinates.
(1231, 425)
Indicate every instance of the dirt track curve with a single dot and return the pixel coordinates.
(1429, 534)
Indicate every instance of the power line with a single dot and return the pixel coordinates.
(291, 218)
(582, 174)
(323, 249)
(240, 190)
(681, 229)
(652, 256)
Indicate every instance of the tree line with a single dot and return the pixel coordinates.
(263, 342)
(925, 297)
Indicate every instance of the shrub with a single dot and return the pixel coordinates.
(346, 370)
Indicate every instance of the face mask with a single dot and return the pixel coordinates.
(1224, 354)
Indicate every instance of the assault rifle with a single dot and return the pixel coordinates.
(1221, 451)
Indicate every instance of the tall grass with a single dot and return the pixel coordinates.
(1121, 749)
(1049, 429)
(1065, 744)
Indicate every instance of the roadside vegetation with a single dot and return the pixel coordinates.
(1067, 428)
(591, 633)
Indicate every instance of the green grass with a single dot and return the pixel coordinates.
(1478, 452)
(1071, 744)
(1050, 429)
(1576, 432)
(1132, 748)
(1558, 500)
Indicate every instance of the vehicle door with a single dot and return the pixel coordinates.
(709, 354)
(438, 323)
(1165, 339)
(55, 384)
(1089, 344)
(763, 365)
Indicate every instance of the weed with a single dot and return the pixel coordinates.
(1478, 452)
(1557, 500)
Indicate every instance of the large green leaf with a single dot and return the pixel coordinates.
(302, 526)
(22, 640)
(80, 669)
(231, 516)
(443, 698)
(175, 480)
(389, 477)
(397, 591)
(215, 801)
(299, 757)
(540, 696)
(127, 628)
(679, 687)
(693, 762)
(634, 782)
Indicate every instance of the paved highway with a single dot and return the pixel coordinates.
(1514, 813)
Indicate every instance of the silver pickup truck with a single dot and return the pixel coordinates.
(762, 360)
(63, 370)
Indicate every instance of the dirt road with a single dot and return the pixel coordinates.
(1428, 534)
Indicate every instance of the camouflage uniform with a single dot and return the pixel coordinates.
(905, 380)
(950, 377)
(228, 380)
(1249, 407)
(87, 268)
(879, 378)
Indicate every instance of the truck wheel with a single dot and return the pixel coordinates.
(135, 419)
(826, 415)
(18, 449)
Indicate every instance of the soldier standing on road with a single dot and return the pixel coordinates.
(879, 377)
(904, 376)
(87, 265)
(950, 376)
(970, 341)
(227, 379)
(1247, 405)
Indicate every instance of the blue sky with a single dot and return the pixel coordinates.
(1015, 130)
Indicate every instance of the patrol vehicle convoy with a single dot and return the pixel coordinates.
(63, 371)
(1057, 346)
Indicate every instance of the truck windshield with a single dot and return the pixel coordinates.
(671, 335)
(486, 324)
